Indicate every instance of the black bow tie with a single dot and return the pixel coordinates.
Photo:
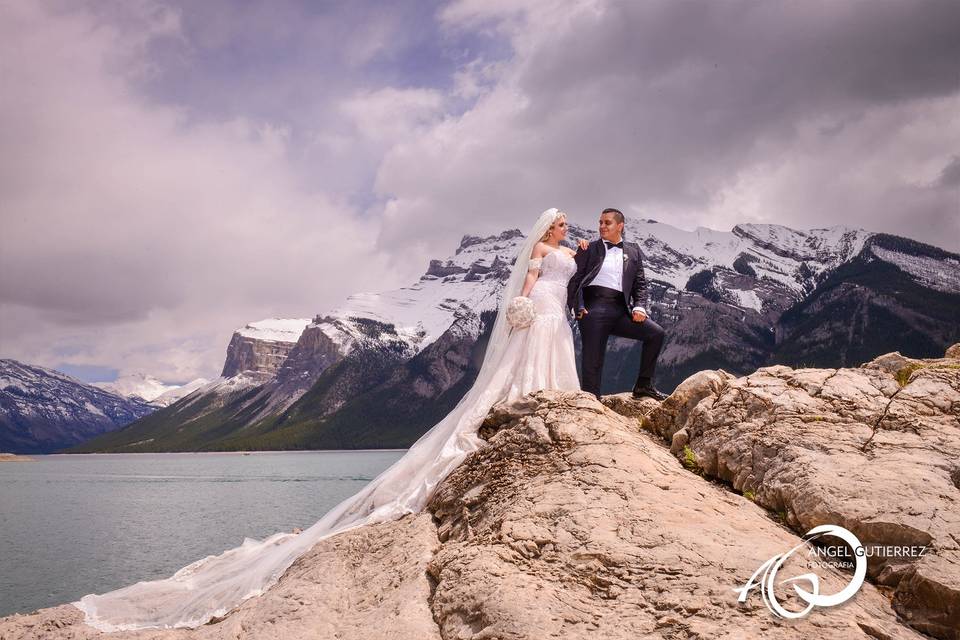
(614, 244)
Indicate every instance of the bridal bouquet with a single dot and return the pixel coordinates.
(520, 312)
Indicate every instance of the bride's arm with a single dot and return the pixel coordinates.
(533, 271)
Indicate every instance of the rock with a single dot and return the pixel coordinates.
(672, 412)
(953, 352)
(578, 524)
(874, 449)
(626, 405)
(890, 363)
(259, 353)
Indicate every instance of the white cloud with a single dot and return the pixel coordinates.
(134, 237)
(390, 115)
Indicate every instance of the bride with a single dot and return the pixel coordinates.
(517, 361)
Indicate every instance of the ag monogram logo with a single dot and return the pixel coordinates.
(765, 576)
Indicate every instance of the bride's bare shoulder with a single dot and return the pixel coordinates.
(539, 250)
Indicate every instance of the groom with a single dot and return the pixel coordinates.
(609, 276)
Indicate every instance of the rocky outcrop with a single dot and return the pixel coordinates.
(572, 524)
(576, 520)
(874, 449)
(260, 348)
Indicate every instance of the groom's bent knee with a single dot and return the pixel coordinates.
(648, 330)
(655, 330)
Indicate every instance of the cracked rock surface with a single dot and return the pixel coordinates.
(874, 449)
(575, 524)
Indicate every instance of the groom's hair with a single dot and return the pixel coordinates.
(617, 214)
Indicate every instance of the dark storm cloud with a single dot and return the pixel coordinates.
(806, 114)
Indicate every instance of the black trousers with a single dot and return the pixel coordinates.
(607, 315)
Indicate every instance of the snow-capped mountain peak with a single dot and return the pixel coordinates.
(141, 385)
(466, 282)
(785, 255)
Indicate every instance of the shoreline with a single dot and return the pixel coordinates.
(15, 457)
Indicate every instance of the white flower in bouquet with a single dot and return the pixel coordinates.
(520, 312)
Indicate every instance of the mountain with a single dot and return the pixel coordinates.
(145, 387)
(170, 396)
(766, 294)
(386, 366)
(403, 355)
(42, 410)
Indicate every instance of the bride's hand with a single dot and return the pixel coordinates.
(583, 243)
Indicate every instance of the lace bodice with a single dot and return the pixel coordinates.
(556, 266)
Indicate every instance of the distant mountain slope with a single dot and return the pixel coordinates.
(42, 410)
(386, 366)
(140, 386)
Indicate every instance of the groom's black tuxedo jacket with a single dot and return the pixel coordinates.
(589, 261)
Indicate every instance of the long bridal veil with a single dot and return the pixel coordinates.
(215, 585)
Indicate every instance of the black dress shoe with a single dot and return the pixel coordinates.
(648, 392)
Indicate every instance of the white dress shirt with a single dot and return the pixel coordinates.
(611, 271)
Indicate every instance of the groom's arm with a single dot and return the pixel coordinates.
(574, 291)
(640, 291)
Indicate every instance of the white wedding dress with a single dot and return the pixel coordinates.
(517, 362)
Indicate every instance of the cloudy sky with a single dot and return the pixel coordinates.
(173, 170)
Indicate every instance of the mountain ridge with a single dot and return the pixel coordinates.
(735, 300)
(43, 410)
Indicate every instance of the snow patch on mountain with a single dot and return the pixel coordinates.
(167, 398)
(747, 299)
(784, 255)
(941, 275)
(223, 385)
(275, 329)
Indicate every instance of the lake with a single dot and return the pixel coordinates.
(77, 524)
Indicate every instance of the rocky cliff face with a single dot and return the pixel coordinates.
(260, 348)
(626, 519)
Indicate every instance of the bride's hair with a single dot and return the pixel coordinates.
(548, 232)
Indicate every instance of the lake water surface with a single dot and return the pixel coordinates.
(77, 524)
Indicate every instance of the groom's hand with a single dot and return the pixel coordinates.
(581, 313)
(639, 316)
